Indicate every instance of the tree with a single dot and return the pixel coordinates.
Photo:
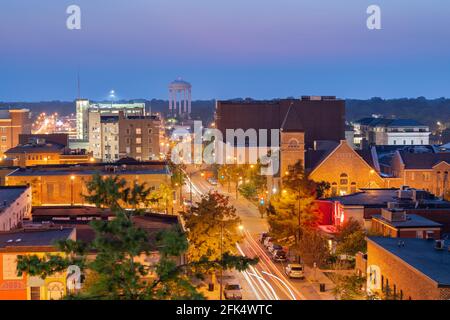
(178, 177)
(313, 248)
(116, 273)
(212, 229)
(322, 189)
(351, 238)
(162, 198)
(293, 211)
(349, 287)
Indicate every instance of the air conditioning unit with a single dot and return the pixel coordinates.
(439, 244)
(393, 205)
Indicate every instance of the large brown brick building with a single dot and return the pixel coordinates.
(13, 122)
(410, 269)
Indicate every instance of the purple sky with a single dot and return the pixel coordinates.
(225, 48)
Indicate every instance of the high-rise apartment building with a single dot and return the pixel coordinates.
(84, 108)
(13, 122)
(115, 137)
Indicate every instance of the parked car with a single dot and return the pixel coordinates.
(274, 247)
(263, 237)
(187, 203)
(294, 270)
(232, 291)
(212, 181)
(279, 256)
(267, 242)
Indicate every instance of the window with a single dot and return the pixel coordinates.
(138, 131)
(334, 188)
(343, 184)
(353, 187)
(404, 142)
(412, 142)
(3, 138)
(128, 131)
(138, 140)
(35, 293)
(421, 142)
(149, 140)
(138, 150)
(150, 131)
(412, 176)
(395, 142)
(128, 150)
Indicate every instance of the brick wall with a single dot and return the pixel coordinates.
(401, 274)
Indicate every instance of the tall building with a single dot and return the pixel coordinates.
(13, 122)
(114, 137)
(84, 107)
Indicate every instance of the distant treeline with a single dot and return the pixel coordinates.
(421, 109)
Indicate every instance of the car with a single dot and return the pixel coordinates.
(232, 291)
(274, 247)
(295, 271)
(279, 256)
(267, 242)
(263, 237)
(187, 203)
(212, 181)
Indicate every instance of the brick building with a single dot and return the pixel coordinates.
(428, 171)
(13, 122)
(410, 269)
(65, 184)
(15, 205)
(345, 169)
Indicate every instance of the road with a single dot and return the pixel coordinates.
(266, 280)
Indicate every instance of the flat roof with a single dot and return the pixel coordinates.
(412, 221)
(421, 255)
(34, 238)
(10, 194)
(368, 197)
(156, 167)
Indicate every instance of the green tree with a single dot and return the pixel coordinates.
(313, 248)
(178, 178)
(162, 198)
(213, 230)
(115, 273)
(351, 238)
(349, 287)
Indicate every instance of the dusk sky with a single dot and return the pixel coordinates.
(225, 48)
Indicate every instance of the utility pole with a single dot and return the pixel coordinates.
(221, 258)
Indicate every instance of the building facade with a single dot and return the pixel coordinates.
(66, 184)
(31, 242)
(412, 269)
(15, 205)
(345, 169)
(382, 131)
(428, 171)
(84, 108)
(124, 136)
(42, 150)
(13, 122)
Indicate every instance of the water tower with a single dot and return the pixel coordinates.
(180, 98)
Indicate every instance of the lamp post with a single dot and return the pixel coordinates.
(221, 258)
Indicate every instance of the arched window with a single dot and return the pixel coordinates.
(334, 189)
(353, 187)
(343, 184)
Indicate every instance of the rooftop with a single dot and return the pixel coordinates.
(36, 148)
(423, 160)
(383, 122)
(421, 255)
(147, 167)
(34, 238)
(412, 221)
(10, 194)
(368, 197)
